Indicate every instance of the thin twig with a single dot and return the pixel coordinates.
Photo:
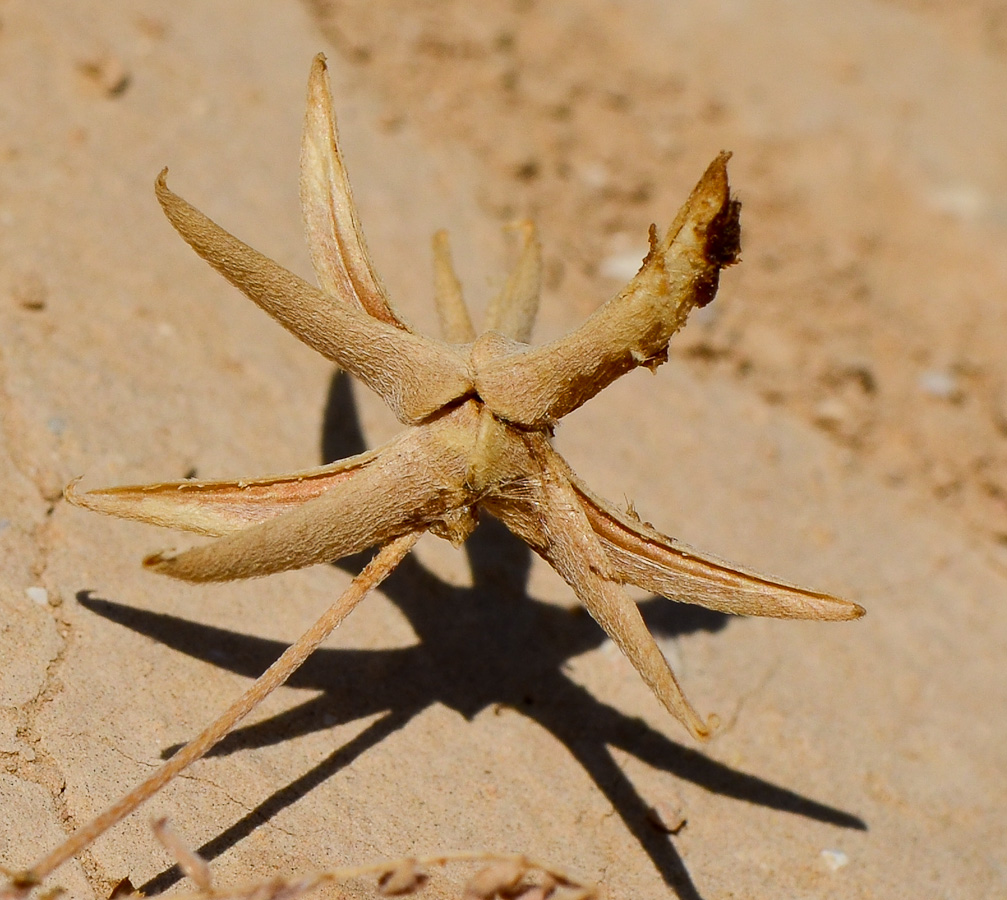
(299, 885)
(292, 658)
(193, 865)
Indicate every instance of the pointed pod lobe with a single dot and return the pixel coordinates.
(414, 375)
(339, 252)
(541, 385)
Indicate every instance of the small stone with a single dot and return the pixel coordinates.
(37, 595)
(834, 859)
(940, 384)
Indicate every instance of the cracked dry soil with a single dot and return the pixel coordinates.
(837, 417)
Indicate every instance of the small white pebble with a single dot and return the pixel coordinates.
(834, 859)
(940, 384)
(37, 595)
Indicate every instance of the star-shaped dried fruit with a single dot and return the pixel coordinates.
(479, 411)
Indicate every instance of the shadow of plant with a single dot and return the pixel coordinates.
(485, 646)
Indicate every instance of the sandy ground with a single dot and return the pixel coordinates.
(837, 417)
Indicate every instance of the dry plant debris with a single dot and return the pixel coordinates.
(507, 876)
(479, 410)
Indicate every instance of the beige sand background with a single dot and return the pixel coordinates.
(837, 417)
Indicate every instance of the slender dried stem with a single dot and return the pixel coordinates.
(406, 874)
(292, 658)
